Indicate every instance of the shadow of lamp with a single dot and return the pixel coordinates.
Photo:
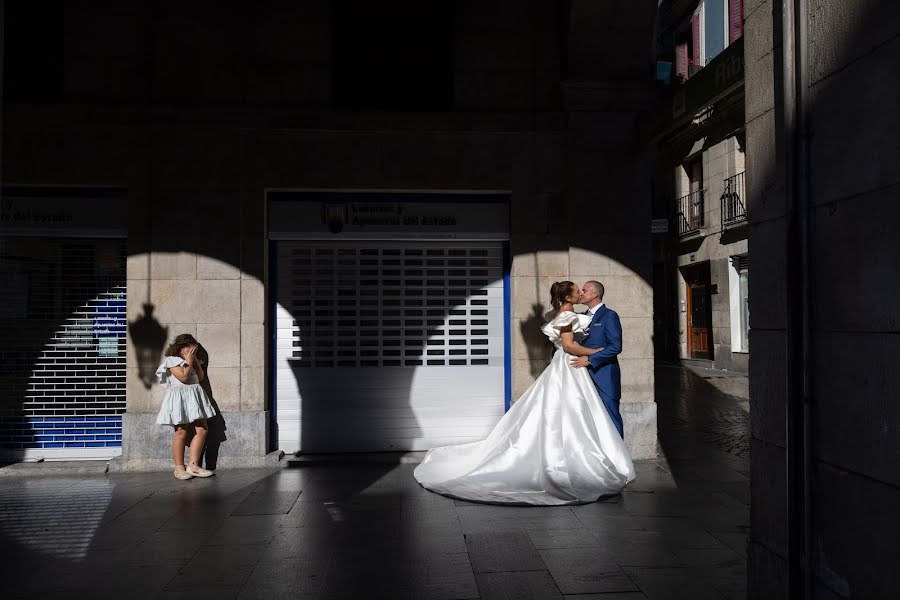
(149, 339)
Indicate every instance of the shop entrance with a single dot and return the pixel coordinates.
(387, 344)
(62, 322)
(699, 312)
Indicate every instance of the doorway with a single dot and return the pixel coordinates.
(699, 312)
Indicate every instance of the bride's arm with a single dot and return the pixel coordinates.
(570, 346)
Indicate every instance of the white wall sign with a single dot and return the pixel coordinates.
(659, 226)
(70, 211)
(387, 215)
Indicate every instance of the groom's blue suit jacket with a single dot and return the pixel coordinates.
(605, 332)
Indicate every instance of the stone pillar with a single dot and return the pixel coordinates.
(854, 117)
(200, 277)
(608, 206)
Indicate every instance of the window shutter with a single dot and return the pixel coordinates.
(681, 59)
(736, 20)
(697, 58)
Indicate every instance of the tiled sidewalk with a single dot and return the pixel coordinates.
(339, 530)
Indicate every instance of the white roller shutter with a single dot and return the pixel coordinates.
(388, 345)
(62, 347)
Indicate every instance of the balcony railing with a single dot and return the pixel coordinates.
(733, 209)
(689, 213)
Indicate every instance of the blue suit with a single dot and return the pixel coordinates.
(605, 332)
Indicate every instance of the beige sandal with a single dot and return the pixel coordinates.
(183, 475)
(198, 471)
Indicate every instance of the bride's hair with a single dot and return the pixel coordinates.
(558, 293)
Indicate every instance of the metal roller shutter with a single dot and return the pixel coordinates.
(62, 322)
(388, 345)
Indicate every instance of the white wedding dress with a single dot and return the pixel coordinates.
(556, 445)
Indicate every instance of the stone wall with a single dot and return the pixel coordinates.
(196, 127)
(854, 48)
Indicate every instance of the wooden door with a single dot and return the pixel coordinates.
(699, 317)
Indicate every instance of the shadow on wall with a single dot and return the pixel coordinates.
(540, 350)
(216, 425)
(149, 338)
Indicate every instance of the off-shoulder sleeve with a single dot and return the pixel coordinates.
(569, 319)
(564, 319)
(171, 361)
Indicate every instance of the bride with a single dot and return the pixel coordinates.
(556, 445)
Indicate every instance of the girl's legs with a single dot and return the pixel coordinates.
(178, 442)
(199, 441)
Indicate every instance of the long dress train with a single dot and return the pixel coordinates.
(556, 445)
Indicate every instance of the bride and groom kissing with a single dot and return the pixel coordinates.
(562, 441)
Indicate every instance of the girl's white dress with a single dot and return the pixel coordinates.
(556, 445)
(184, 402)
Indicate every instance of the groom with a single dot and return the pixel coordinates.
(605, 331)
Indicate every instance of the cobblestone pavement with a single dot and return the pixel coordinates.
(709, 406)
(366, 530)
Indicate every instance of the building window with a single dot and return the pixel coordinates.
(392, 55)
(712, 27)
(715, 25)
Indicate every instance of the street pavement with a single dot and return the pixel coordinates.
(353, 528)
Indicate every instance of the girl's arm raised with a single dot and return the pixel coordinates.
(182, 373)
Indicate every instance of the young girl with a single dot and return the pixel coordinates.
(186, 406)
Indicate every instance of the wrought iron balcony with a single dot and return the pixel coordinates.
(689, 213)
(734, 210)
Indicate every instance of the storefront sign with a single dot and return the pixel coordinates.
(62, 211)
(387, 215)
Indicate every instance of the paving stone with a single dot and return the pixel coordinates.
(600, 524)
(200, 520)
(586, 570)
(285, 578)
(562, 538)
(522, 585)
(601, 509)
(505, 551)
(475, 519)
(160, 548)
(675, 584)
(253, 529)
(120, 533)
(267, 502)
(679, 532)
(218, 566)
(440, 575)
(638, 548)
(286, 480)
(311, 545)
(658, 504)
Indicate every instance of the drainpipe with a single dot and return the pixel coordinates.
(795, 14)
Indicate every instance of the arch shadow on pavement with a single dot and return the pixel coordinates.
(332, 528)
